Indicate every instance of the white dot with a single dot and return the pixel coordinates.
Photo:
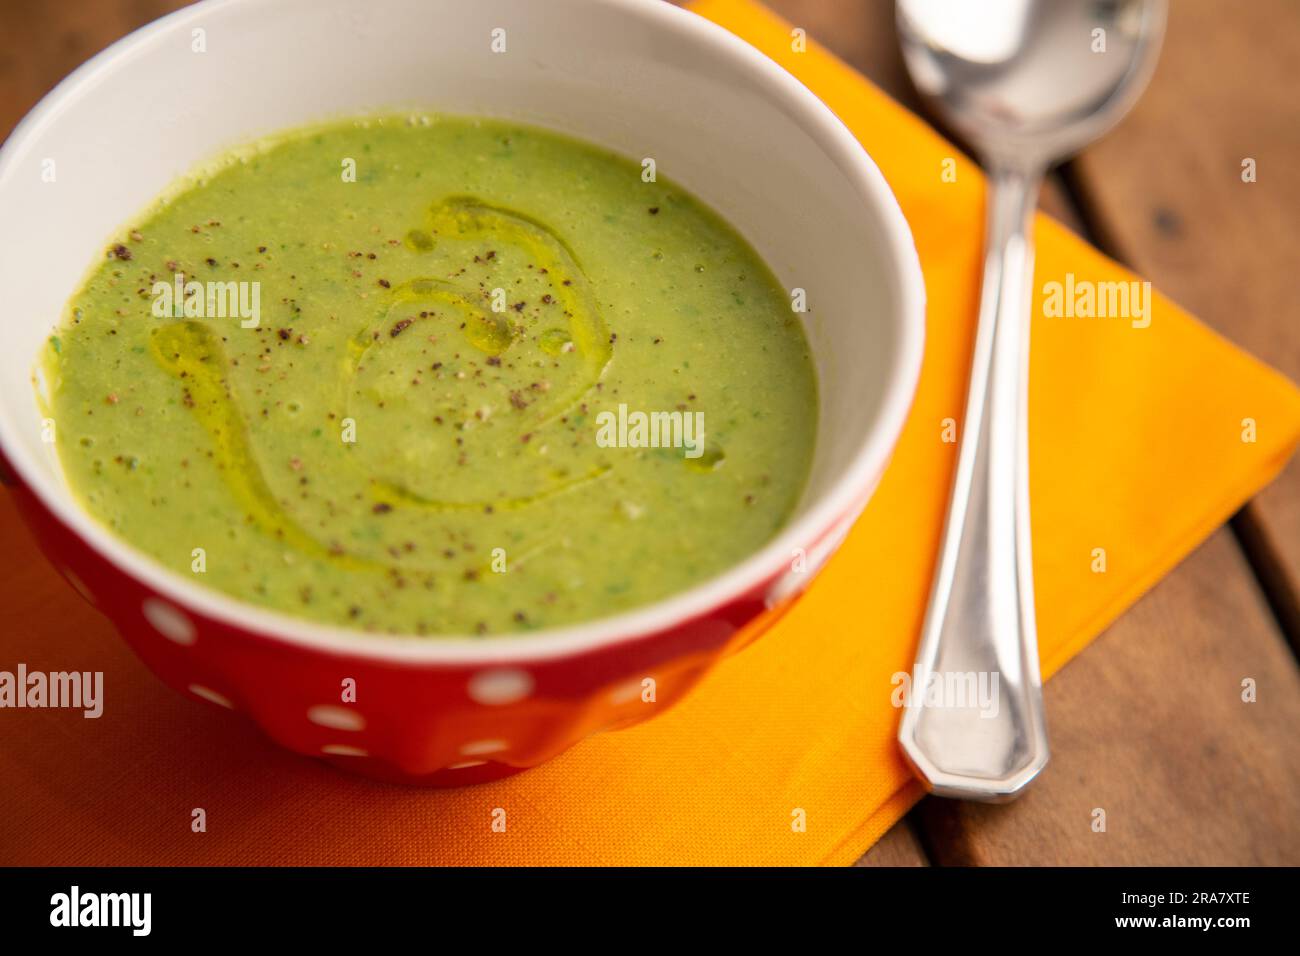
(336, 718)
(343, 750)
(467, 764)
(221, 700)
(79, 586)
(626, 693)
(169, 621)
(477, 748)
(504, 685)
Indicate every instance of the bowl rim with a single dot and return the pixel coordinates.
(847, 494)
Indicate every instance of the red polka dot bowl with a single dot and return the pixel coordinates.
(638, 76)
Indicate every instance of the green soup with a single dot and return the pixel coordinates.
(432, 375)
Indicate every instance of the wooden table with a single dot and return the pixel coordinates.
(1147, 722)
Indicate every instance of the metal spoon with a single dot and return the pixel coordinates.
(1026, 83)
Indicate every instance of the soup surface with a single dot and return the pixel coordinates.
(427, 375)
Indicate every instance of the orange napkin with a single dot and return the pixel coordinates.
(1137, 447)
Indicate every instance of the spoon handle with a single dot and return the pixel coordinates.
(974, 725)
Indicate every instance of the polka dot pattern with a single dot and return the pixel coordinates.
(626, 692)
(476, 748)
(336, 718)
(344, 750)
(210, 695)
(499, 686)
(169, 621)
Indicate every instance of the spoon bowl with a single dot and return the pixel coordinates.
(1031, 80)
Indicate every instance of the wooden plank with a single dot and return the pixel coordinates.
(1165, 193)
(1149, 726)
(901, 846)
(41, 43)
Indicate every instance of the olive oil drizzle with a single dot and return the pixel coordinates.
(191, 352)
(469, 218)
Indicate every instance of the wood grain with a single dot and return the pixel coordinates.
(42, 42)
(901, 846)
(1164, 191)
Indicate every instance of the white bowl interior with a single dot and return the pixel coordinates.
(633, 75)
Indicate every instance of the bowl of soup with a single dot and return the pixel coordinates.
(437, 383)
